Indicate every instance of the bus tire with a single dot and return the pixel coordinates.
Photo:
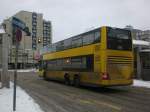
(76, 81)
(67, 79)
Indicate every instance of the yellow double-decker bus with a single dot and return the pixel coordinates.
(100, 57)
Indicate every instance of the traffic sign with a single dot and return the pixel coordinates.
(18, 35)
(18, 23)
(19, 26)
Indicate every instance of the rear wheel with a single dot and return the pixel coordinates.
(67, 79)
(76, 81)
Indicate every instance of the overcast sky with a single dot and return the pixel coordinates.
(71, 17)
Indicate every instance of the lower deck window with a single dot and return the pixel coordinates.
(84, 63)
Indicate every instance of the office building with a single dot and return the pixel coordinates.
(47, 33)
(40, 30)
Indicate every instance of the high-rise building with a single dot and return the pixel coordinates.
(47, 34)
(40, 30)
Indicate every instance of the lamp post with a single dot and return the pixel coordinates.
(18, 39)
(38, 50)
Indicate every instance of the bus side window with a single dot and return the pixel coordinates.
(76, 42)
(59, 64)
(76, 62)
(89, 62)
(66, 63)
(88, 38)
(67, 43)
(53, 48)
(60, 46)
(97, 37)
(49, 65)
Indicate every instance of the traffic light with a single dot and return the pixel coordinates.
(39, 40)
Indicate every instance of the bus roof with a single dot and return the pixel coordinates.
(79, 34)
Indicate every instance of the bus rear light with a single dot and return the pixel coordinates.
(105, 76)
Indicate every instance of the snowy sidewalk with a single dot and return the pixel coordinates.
(24, 102)
(141, 83)
(25, 70)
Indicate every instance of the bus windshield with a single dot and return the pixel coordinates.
(119, 39)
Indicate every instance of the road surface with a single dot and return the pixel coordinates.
(56, 97)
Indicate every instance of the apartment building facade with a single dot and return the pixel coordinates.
(30, 45)
(47, 34)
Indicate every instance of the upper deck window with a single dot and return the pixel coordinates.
(60, 46)
(88, 38)
(67, 43)
(77, 41)
(116, 33)
(97, 36)
(119, 39)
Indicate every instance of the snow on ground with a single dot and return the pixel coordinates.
(25, 70)
(141, 83)
(24, 102)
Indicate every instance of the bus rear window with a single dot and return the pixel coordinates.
(119, 39)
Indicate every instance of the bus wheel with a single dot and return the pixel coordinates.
(76, 81)
(67, 79)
